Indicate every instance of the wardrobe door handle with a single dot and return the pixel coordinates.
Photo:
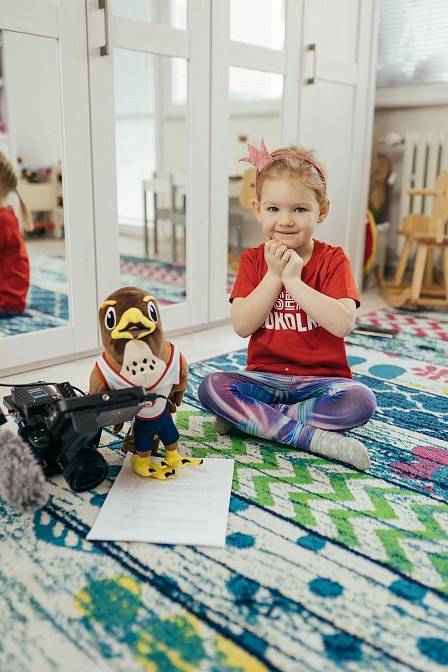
(105, 49)
(312, 79)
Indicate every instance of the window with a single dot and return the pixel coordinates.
(169, 12)
(253, 86)
(135, 130)
(258, 22)
(413, 39)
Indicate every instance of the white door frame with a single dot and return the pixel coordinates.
(227, 53)
(64, 22)
(151, 38)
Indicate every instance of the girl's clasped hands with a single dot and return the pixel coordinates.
(282, 261)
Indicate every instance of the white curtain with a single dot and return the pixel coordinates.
(413, 42)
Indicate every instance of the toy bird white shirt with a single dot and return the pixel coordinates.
(145, 369)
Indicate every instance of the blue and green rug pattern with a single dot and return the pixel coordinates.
(325, 568)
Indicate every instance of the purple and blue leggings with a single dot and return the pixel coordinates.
(286, 409)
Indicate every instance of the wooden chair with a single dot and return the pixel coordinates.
(427, 234)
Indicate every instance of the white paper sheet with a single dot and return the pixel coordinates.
(188, 508)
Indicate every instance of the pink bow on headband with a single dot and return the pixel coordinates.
(261, 157)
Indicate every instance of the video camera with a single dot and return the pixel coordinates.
(63, 430)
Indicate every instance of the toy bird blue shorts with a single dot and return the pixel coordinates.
(146, 429)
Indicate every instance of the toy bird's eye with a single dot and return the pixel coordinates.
(152, 312)
(110, 319)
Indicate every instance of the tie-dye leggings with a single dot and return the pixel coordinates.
(286, 409)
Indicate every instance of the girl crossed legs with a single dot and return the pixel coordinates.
(304, 412)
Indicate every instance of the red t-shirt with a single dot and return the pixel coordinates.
(289, 341)
(14, 264)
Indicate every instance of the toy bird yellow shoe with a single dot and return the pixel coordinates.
(143, 466)
(174, 460)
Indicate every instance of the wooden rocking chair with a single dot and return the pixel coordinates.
(427, 233)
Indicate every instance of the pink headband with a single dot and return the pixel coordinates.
(260, 158)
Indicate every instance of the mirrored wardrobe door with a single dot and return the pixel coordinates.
(47, 290)
(254, 96)
(149, 83)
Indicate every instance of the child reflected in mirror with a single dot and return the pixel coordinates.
(14, 262)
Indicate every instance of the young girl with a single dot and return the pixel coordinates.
(14, 264)
(296, 298)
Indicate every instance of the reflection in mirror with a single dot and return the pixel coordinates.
(255, 113)
(258, 22)
(169, 12)
(33, 270)
(150, 123)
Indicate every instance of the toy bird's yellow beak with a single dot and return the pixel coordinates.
(133, 325)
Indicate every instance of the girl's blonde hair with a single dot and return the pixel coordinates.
(8, 184)
(293, 160)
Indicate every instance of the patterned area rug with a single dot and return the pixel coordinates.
(166, 280)
(325, 568)
(47, 303)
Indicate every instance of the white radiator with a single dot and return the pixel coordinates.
(425, 155)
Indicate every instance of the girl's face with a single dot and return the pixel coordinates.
(289, 212)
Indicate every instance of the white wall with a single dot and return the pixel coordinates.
(32, 89)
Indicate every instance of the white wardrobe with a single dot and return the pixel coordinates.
(150, 87)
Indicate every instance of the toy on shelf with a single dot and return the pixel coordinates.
(41, 189)
(427, 234)
(136, 353)
(379, 182)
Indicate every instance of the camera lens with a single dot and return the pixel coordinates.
(85, 470)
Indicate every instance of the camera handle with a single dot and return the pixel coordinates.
(151, 396)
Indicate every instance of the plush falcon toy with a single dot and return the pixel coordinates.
(136, 352)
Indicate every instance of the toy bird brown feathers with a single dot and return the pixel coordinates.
(136, 352)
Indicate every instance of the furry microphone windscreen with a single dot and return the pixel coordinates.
(22, 481)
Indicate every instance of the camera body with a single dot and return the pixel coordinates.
(64, 430)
